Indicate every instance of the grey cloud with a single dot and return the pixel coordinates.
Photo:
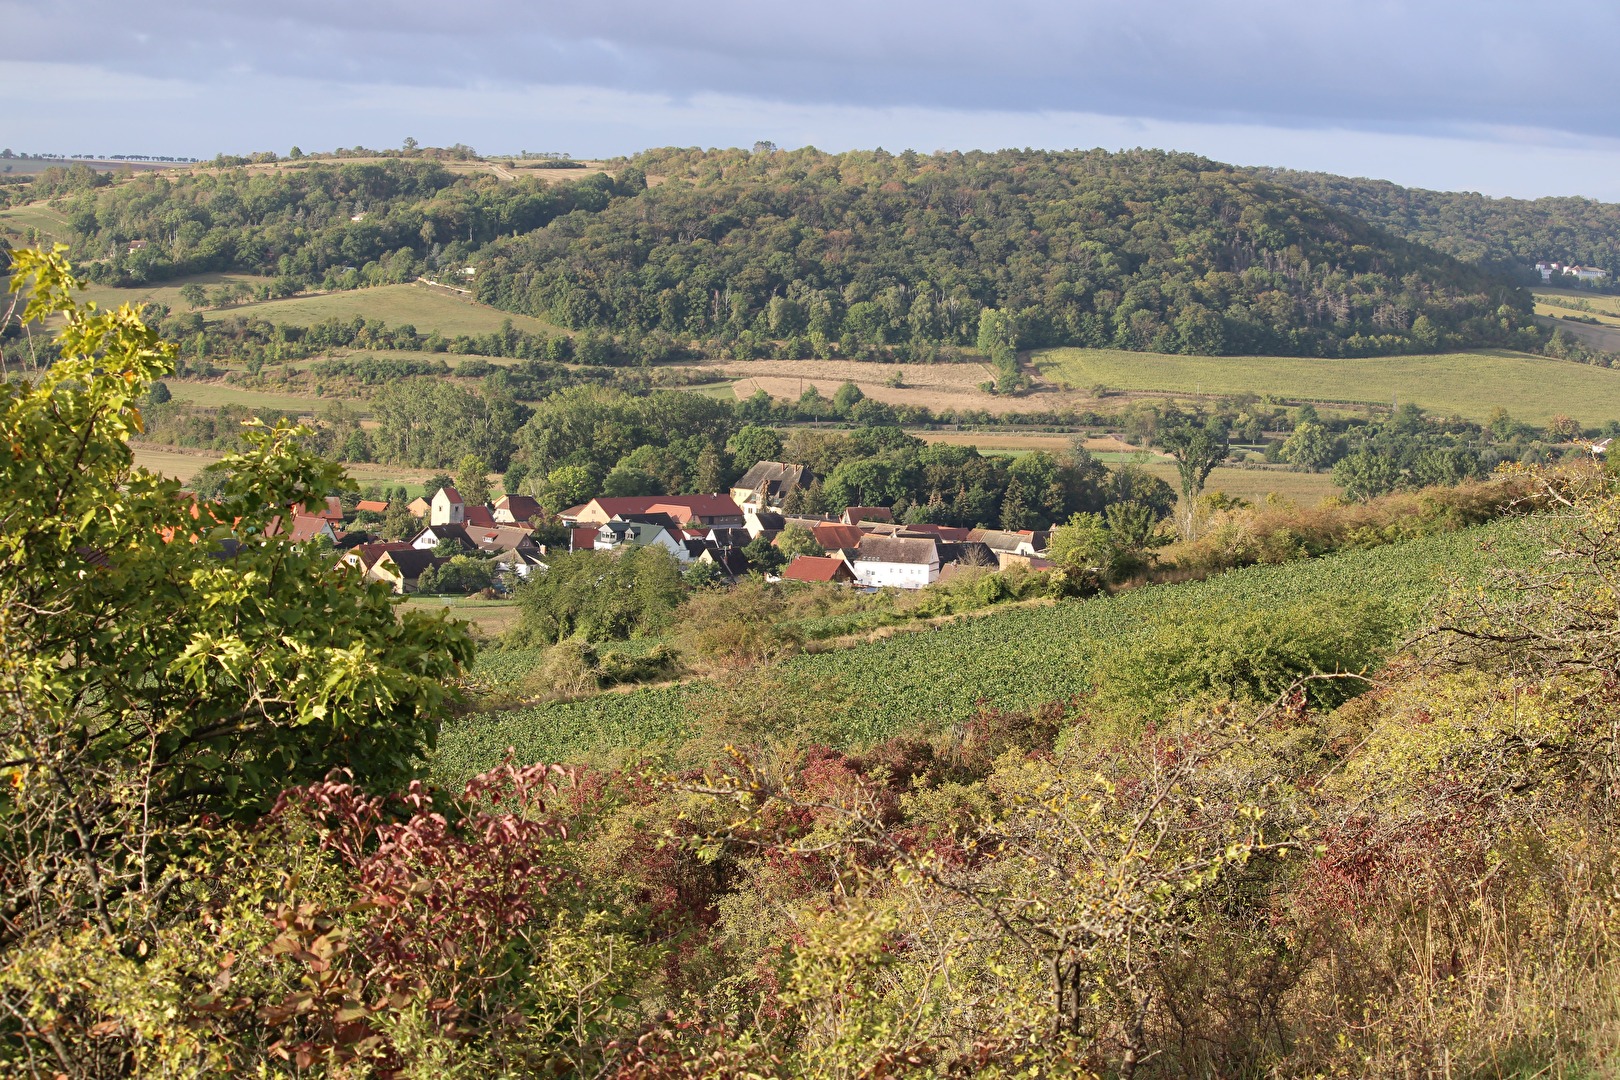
(1367, 64)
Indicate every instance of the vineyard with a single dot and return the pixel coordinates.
(1020, 658)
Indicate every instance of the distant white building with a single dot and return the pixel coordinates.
(1548, 270)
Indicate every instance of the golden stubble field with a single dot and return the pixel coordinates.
(934, 386)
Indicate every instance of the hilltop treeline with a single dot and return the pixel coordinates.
(1140, 250)
(866, 254)
(333, 224)
(1505, 235)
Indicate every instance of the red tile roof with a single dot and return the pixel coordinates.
(837, 536)
(815, 568)
(306, 527)
(452, 494)
(581, 539)
(681, 507)
(856, 514)
(373, 506)
(479, 517)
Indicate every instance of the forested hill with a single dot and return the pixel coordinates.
(1506, 235)
(801, 253)
(1140, 250)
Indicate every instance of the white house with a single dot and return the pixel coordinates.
(896, 562)
(447, 508)
(1587, 273)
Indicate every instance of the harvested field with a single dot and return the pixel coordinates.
(168, 461)
(935, 386)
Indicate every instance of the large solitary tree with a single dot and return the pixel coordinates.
(1197, 449)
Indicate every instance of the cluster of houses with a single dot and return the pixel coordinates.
(1579, 273)
(864, 545)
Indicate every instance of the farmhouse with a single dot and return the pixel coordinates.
(768, 484)
(896, 562)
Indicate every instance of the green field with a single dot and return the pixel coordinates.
(1602, 303)
(183, 464)
(924, 681)
(168, 292)
(425, 308)
(15, 223)
(1531, 388)
(214, 394)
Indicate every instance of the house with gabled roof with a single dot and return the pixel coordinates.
(364, 557)
(479, 517)
(430, 537)
(371, 506)
(402, 569)
(896, 562)
(419, 507)
(501, 538)
(517, 509)
(518, 564)
(768, 484)
(1024, 542)
(818, 568)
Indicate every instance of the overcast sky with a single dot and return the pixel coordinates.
(1479, 95)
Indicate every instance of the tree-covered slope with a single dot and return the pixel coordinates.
(1140, 250)
(1507, 235)
(802, 253)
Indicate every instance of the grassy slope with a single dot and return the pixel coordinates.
(15, 223)
(1470, 384)
(919, 681)
(215, 394)
(168, 292)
